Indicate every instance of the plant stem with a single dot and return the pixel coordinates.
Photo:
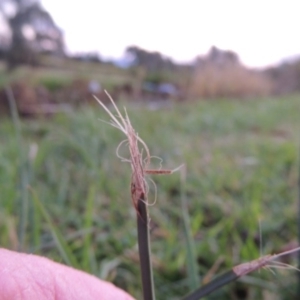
(24, 170)
(62, 246)
(298, 219)
(144, 249)
(212, 286)
(192, 265)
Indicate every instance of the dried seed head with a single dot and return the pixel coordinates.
(264, 261)
(139, 164)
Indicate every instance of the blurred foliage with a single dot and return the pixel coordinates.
(241, 160)
(53, 83)
(33, 31)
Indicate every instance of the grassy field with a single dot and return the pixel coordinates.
(64, 71)
(60, 177)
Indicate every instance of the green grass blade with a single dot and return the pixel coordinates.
(190, 245)
(24, 172)
(298, 219)
(62, 246)
(192, 269)
(88, 222)
(37, 228)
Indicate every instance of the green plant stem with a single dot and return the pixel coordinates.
(24, 172)
(144, 249)
(298, 220)
(88, 224)
(62, 246)
(212, 286)
(192, 265)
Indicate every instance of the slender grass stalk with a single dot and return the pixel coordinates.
(61, 244)
(14, 113)
(298, 220)
(88, 223)
(37, 228)
(144, 249)
(190, 244)
(24, 172)
(212, 286)
(139, 166)
(239, 271)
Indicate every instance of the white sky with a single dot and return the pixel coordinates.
(262, 32)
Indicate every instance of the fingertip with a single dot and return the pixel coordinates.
(26, 276)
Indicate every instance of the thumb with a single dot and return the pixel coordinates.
(27, 277)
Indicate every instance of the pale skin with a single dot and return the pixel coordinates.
(27, 277)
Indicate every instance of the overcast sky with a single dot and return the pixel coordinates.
(262, 32)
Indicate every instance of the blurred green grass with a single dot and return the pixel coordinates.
(60, 71)
(241, 160)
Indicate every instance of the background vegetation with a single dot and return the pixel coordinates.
(64, 194)
(241, 160)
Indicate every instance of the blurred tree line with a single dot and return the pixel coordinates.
(28, 30)
(156, 67)
(152, 61)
